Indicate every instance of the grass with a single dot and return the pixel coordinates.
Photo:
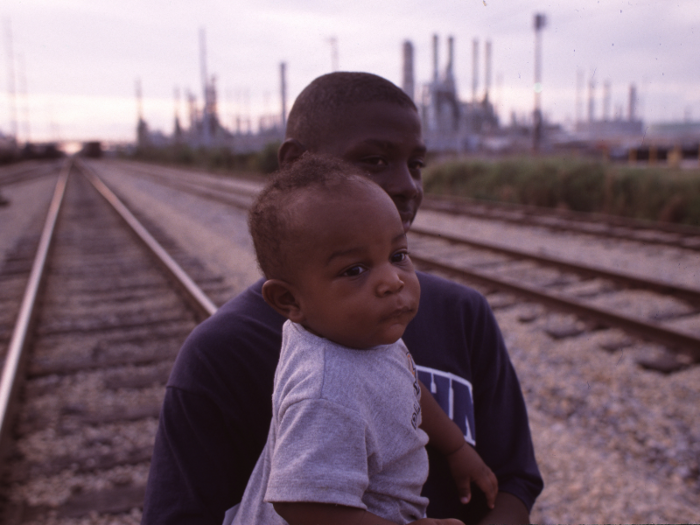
(215, 159)
(652, 193)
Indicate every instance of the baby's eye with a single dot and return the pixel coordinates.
(354, 271)
(399, 257)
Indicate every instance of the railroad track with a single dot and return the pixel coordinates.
(25, 171)
(104, 312)
(623, 228)
(646, 308)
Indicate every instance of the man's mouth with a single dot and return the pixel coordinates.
(407, 217)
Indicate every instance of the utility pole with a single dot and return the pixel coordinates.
(25, 97)
(11, 94)
(540, 22)
(206, 112)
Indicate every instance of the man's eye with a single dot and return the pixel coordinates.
(416, 164)
(354, 271)
(375, 161)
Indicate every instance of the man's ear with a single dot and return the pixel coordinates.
(282, 297)
(290, 150)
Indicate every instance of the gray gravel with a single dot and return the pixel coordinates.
(615, 443)
(26, 211)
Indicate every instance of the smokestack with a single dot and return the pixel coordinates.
(450, 58)
(591, 100)
(283, 93)
(580, 83)
(606, 100)
(487, 70)
(203, 60)
(633, 103)
(435, 58)
(475, 68)
(407, 84)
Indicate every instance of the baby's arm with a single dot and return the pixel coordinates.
(317, 513)
(465, 463)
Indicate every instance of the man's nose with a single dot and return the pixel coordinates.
(402, 184)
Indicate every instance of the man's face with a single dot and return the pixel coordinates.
(355, 283)
(384, 140)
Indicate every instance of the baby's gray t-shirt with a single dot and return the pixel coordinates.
(345, 430)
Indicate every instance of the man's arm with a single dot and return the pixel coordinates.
(315, 513)
(509, 510)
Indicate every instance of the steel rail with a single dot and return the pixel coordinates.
(643, 328)
(14, 359)
(203, 304)
(691, 294)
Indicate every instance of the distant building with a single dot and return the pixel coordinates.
(204, 129)
(449, 124)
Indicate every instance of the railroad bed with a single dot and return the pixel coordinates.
(610, 444)
(109, 327)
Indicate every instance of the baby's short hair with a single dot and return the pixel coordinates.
(328, 96)
(270, 218)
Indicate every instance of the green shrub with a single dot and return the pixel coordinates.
(647, 193)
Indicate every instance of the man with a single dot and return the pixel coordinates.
(217, 407)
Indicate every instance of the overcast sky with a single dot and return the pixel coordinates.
(76, 62)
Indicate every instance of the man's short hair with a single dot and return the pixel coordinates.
(270, 219)
(317, 107)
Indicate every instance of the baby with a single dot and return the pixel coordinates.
(350, 419)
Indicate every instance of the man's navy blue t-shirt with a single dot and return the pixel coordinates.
(218, 404)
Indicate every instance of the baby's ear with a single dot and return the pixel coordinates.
(289, 151)
(282, 297)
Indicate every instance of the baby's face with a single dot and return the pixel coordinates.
(354, 280)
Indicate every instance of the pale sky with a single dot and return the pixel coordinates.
(76, 62)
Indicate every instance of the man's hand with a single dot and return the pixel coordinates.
(467, 467)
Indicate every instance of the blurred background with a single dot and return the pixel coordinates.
(211, 84)
(76, 70)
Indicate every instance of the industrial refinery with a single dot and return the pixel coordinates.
(451, 125)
